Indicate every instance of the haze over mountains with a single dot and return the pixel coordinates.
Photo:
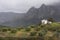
(33, 16)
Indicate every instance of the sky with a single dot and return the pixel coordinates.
(22, 6)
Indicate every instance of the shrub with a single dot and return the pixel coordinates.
(9, 29)
(19, 29)
(32, 26)
(33, 33)
(42, 33)
(4, 30)
(13, 31)
(51, 19)
(27, 29)
(37, 29)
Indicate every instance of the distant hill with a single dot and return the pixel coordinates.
(9, 17)
(33, 16)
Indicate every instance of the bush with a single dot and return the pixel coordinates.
(13, 31)
(9, 29)
(33, 33)
(51, 19)
(19, 29)
(32, 26)
(42, 33)
(4, 30)
(37, 29)
(27, 29)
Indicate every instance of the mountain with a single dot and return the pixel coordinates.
(8, 18)
(56, 14)
(34, 15)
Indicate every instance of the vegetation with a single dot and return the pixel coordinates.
(39, 32)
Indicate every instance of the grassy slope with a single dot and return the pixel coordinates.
(46, 31)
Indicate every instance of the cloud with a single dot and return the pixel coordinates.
(22, 5)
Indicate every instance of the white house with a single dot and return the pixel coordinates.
(44, 21)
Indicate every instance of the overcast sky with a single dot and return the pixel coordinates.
(22, 5)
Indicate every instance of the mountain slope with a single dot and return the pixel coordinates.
(9, 18)
(34, 15)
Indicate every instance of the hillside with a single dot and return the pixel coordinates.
(38, 32)
(34, 15)
(10, 17)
